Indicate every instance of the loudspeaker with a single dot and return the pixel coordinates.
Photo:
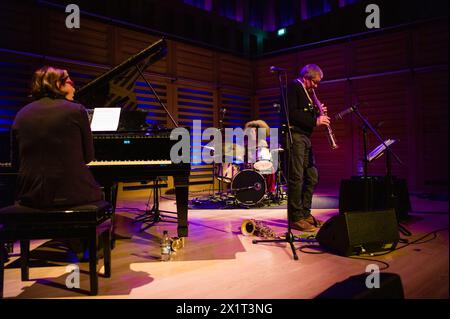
(351, 195)
(354, 233)
(355, 287)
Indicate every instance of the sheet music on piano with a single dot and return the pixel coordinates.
(105, 119)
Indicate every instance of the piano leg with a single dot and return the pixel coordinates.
(110, 193)
(181, 184)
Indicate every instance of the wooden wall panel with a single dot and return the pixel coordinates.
(384, 102)
(332, 59)
(88, 43)
(431, 44)
(386, 52)
(265, 79)
(265, 105)
(15, 82)
(432, 99)
(236, 72)
(196, 103)
(18, 25)
(238, 106)
(194, 63)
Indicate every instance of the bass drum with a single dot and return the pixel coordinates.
(249, 187)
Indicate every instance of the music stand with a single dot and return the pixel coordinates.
(384, 147)
(379, 150)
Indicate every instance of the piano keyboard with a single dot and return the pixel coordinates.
(124, 163)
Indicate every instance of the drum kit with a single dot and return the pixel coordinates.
(247, 184)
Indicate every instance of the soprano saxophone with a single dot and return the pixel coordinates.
(330, 135)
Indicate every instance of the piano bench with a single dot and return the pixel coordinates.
(83, 222)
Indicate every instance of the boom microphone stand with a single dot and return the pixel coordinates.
(289, 238)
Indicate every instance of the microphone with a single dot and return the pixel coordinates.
(223, 110)
(343, 113)
(276, 69)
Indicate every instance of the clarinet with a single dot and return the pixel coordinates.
(329, 131)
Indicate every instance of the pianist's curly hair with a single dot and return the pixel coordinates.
(44, 82)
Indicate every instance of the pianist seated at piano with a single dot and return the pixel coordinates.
(54, 143)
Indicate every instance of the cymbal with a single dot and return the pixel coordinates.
(277, 150)
(209, 147)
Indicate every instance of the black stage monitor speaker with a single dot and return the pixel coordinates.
(354, 233)
(355, 287)
(351, 195)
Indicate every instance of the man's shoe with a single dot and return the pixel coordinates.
(314, 221)
(303, 225)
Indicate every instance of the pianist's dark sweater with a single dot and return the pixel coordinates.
(54, 144)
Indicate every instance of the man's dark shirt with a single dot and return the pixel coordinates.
(302, 116)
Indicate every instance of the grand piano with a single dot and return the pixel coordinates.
(138, 155)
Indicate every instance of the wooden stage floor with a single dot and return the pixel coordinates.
(219, 262)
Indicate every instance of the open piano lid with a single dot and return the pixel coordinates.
(115, 88)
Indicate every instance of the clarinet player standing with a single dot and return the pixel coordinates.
(303, 118)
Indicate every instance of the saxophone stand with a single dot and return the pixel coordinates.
(153, 216)
(289, 238)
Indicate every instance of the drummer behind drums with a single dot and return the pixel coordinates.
(261, 154)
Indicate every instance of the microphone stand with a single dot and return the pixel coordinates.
(289, 238)
(365, 169)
